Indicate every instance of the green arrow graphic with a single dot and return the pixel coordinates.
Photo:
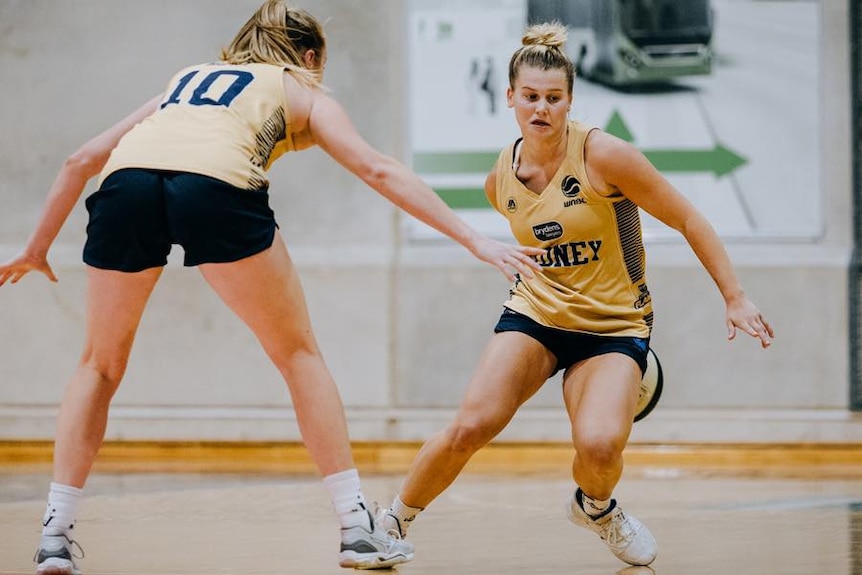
(617, 127)
(719, 160)
(464, 198)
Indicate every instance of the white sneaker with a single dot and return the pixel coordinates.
(625, 536)
(375, 549)
(55, 556)
(389, 523)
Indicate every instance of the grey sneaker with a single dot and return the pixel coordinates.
(56, 556)
(625, 536)
(375, 549)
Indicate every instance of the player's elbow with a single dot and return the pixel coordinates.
(85, 162)
(693, 225)
(379, 172)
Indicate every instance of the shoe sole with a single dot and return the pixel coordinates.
(354, 560)
(56, 567)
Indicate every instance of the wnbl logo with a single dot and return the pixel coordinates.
(571, 187)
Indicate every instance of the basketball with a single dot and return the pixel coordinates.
(651, 386)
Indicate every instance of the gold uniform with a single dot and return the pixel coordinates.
(593, 278)
(228, 122)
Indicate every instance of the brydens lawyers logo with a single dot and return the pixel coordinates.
(548, 231)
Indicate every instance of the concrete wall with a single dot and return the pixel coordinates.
(401, 324)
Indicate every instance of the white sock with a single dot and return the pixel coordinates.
(403, 513)
(346, 495)
(593, 507)
(62, 509)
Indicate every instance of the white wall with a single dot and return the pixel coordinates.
(401, 324)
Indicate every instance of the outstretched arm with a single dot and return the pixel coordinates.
(334, 132)
(78, 168)
(620, 167)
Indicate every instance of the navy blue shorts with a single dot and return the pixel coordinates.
(570, 347)
(136, 215)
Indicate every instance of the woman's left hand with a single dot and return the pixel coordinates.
(743, 314)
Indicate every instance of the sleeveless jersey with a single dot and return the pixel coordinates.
(229, 122)
(593, 272)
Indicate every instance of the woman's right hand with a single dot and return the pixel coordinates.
(17, 267)
(509, 259)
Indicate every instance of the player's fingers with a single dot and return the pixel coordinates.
(731, 330)
(506, 271)
(522, 264)
(754, 328)
(530, 261)
(528, 258)
(529, 250)
(765, 341)
(763, 334)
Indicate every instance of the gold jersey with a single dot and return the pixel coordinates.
(229, 122)
(593, 276)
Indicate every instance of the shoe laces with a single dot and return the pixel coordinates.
(379, 516)
(392, 536)
(618, 532)
(73, 545)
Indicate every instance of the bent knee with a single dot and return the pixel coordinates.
(600, 449)
(107, 358)
(292, 348)
(471, 436)
(295, 359)
(109, 371)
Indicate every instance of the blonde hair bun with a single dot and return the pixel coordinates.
(550, 34)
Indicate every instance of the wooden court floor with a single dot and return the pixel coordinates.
(488, 523)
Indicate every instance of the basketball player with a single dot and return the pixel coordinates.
(189, 167)
(573, 191)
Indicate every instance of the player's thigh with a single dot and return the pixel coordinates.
(601, 394)
(264, 290)
(511, 369)
(115, 304)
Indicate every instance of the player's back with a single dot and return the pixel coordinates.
(220, 120)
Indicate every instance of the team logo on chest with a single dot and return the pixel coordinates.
(511, 205)
(571, 187)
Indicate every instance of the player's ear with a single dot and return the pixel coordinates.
(309, 58)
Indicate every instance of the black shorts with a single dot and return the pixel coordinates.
(570, 347)
(137, 215)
